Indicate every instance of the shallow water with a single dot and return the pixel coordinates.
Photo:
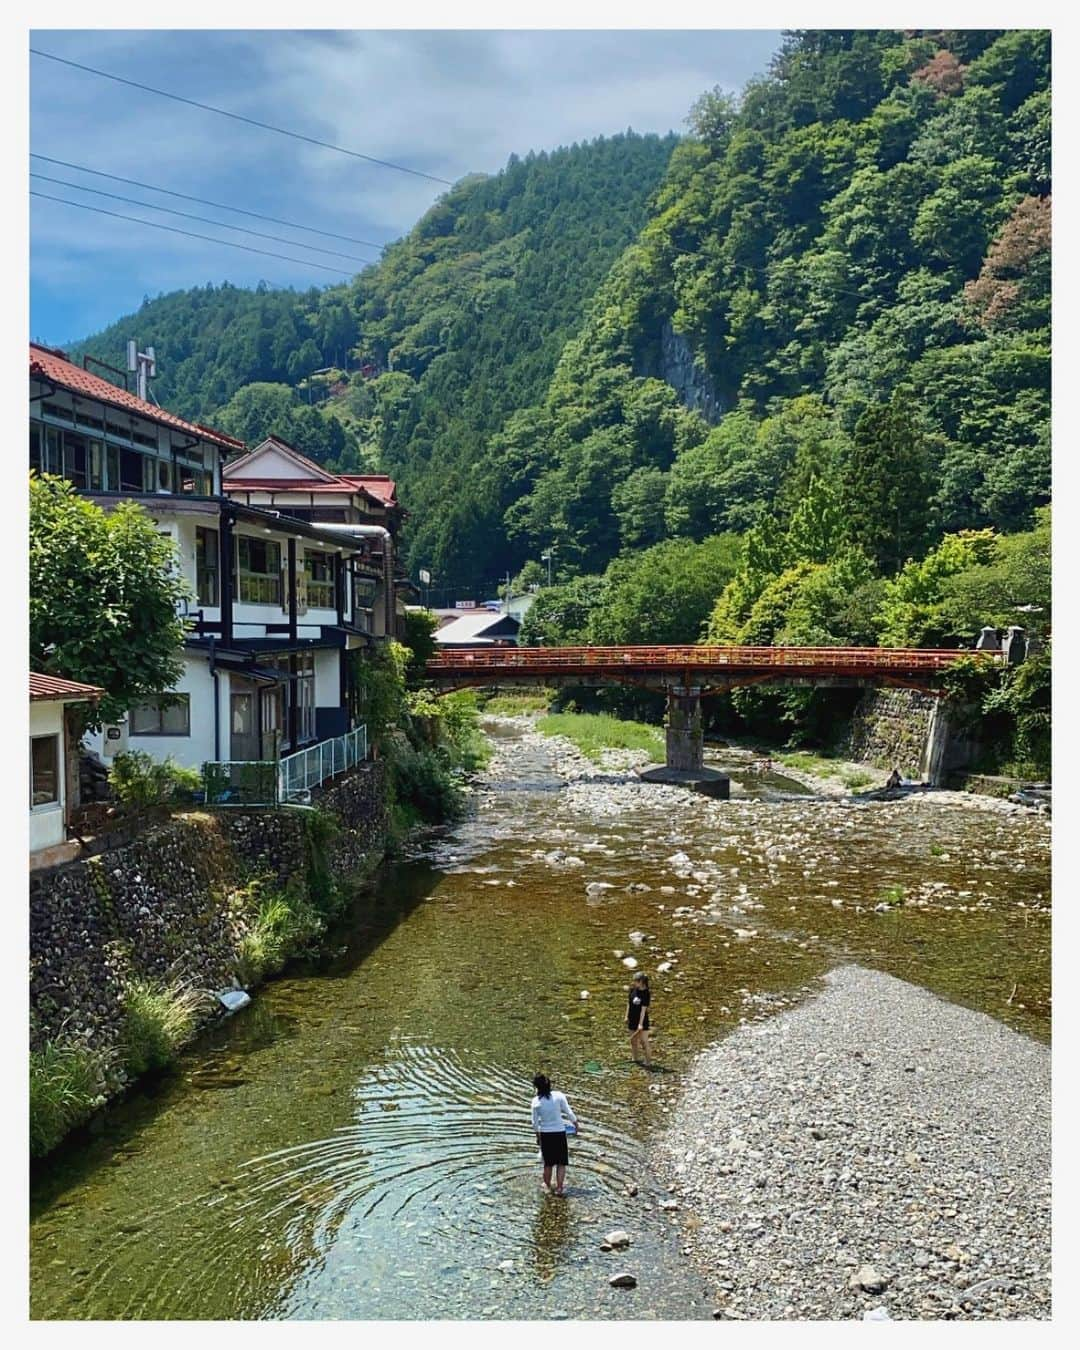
(356, 1144)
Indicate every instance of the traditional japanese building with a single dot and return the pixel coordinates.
(280, 602)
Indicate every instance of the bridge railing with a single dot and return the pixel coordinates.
(653, 658)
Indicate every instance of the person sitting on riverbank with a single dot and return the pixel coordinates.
(894, 780)
(550, 1114)
(637, 1017)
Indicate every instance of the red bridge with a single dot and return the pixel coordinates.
(688, 673)
(705, 669)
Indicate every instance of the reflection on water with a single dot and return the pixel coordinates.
(357, 1142)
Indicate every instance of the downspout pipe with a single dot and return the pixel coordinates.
(217, 701)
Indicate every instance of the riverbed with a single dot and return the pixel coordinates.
(356, 1144)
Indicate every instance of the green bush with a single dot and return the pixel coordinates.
(67, 1084)
(283, 924)
(158, 1020)
(139, 780)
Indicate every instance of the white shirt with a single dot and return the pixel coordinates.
(548, 1113)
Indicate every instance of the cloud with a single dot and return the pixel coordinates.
(447, 103)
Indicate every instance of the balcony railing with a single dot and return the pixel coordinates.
(286, 781)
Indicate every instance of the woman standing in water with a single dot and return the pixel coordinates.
(637, 1017)
(550, 1114)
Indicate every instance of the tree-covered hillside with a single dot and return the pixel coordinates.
(853, 266)
(430, 349)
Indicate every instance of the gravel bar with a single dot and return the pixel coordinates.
(874, 1152)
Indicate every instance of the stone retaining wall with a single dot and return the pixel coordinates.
(889, 729)
(170, 904)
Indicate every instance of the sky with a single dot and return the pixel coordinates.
(446, 103)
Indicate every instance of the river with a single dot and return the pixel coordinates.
(356, 1143)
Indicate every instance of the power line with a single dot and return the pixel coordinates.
(190, 234)
(202, 201)
(205, 220)
(238, 117)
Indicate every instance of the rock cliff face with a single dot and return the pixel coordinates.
(674, 364)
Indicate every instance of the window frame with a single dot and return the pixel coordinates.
(209, 567)
(53, 803)
(321, 590)
(173, 701)
(253, 586)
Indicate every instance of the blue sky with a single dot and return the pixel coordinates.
(448, 103)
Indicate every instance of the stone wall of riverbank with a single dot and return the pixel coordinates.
(171, 905)
(889, 729)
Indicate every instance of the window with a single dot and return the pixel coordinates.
(97, 466)
(320, 572)
(305, 696)
(116, 429)
(36, 436)
(206, 566)
(154, 717)
(131, 471)
(259, 571)
(112, 468)
(76, 459)
(44, 771)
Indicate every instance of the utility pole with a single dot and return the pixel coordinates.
(547, 557)
(506, 594)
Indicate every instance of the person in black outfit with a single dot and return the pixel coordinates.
(637, 1017)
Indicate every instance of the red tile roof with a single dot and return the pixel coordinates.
(51, 687)
(376, 485)
(54, 366)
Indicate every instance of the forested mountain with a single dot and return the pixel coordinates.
(430, 349)
(853, 267)
(842, 280)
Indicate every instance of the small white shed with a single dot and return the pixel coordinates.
(51, 768)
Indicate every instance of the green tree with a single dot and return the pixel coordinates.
(913, 612)
(105, 595)
(887, 485)
(665, 593)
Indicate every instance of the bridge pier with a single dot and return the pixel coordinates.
(685, 739)
(685, 747)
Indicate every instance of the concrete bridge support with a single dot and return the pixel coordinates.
(685, 747)
(685, 736)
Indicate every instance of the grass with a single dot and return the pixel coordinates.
(283, 923)
(67, 1084)
(855, 778)
(518, 704)
(818, 765)
(593, 733)
(158, 1020)
(892, 895)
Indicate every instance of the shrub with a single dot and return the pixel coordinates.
(158, 1020)
(67, 1084)
(282, 925)
(139, 780)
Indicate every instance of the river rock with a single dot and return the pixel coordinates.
(624, 1280)
(868, 1280)
(618, 1238)
(629, 962)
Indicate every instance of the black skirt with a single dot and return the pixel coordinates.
(553, 1147)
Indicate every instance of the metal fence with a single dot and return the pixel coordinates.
(299, 773)
(270, 782)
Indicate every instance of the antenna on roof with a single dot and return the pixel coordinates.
(144, 364)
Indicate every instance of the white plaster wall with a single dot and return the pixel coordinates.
(191, 751)
(327, 678)
(47, 822)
